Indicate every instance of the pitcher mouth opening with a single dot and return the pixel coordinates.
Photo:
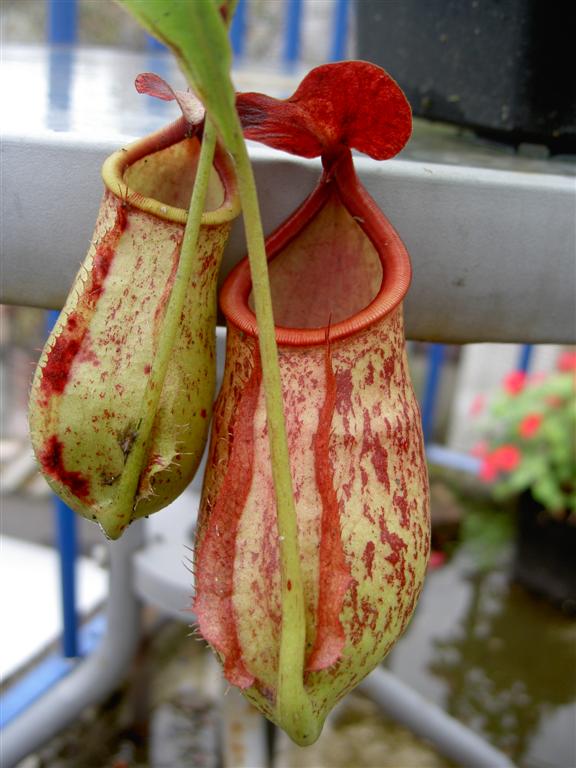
(127, 174)
(342, 183)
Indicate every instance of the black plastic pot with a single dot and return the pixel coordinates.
(501, 67)
(545, 556)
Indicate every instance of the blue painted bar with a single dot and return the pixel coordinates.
(61, 22)
(47, 673)
(431, 386)
(66, 535)
(292, 32)
(60, 77)
(340, 31)
(441, 456)
(525, 358)
(32, 686)
(66, 540)
(238, 29)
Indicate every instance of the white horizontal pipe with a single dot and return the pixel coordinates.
(452, 739)
(493, 251)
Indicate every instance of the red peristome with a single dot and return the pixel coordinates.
(352, 104)
(68, 343)
(334, 577)
(52, 463)
(215, 554)
(343, 181)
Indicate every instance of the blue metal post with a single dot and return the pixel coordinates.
(431, 386)
(66, 539)
(61, 32)
(32, 685)
(67, 547)
(525, 357)
(292, 32)
(340, 31)
(238, 28)
(61, 29)
(62, 22)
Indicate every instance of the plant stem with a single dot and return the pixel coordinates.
(128, 486)
(293, 704)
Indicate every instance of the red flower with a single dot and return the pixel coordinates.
(480, 449)
(488, 471)
(567, 361)
(477, 405)
(538, 378)
(503, 459)
(515, 382)
(530, 425)
(437, 559)
(507, 457)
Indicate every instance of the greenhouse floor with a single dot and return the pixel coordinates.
(480, 647)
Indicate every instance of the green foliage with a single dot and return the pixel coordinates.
(531, 439)
(485, 533)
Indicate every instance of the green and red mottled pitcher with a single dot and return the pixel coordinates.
(90, 386)
(338, 273)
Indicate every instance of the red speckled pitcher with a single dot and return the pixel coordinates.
(338, 272)
(90, 387)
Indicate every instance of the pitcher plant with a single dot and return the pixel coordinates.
(95, 386)
(338, 274)
(313, 533)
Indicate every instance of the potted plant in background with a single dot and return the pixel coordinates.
(529, 453)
